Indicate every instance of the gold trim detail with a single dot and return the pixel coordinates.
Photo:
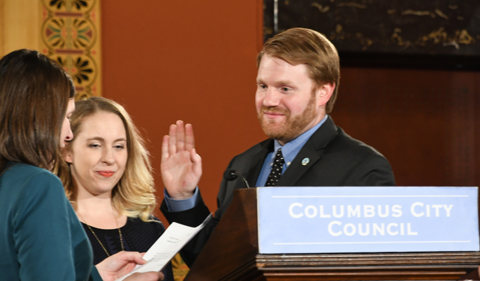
(70, 33)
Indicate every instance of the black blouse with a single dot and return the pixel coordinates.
(137, 236)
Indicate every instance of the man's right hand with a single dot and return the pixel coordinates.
(181, 165)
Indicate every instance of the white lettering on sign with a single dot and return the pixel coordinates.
(296, 210)
(419, 209)
(292, 214)
(336, 228)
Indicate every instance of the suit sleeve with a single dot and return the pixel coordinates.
(192, 217)
(195, 216)
(374, 170)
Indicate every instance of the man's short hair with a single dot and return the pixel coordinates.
(309, 47)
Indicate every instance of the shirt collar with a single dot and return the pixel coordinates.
(293, 147)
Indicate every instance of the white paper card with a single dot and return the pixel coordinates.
(165, 248)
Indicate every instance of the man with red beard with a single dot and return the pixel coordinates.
(297, 82)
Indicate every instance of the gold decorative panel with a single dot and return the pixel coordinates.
(70, 35)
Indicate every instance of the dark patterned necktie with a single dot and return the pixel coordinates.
(276, 171)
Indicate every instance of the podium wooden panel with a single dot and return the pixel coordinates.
(231, 253)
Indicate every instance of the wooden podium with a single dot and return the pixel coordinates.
(231, 253)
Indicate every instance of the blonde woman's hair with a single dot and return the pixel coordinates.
(134, 193)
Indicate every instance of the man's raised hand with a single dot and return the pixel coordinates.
(181, 165)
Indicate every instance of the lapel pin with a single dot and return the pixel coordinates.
(305, 161)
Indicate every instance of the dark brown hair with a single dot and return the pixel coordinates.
(34, 94)
(309, 47)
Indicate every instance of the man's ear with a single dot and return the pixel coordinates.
(324, 93)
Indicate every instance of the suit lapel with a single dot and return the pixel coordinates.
(257, 163)
(311, 152)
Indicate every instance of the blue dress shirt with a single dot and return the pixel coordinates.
(289, 151)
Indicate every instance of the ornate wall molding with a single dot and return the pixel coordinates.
(70, 33)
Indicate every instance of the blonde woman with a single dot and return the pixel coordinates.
(108, 180)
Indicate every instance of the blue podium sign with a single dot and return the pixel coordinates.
(367, 219)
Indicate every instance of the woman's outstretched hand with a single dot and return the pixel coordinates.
(122, 263)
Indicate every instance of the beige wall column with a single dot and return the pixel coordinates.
(67, 31)
(20, 25)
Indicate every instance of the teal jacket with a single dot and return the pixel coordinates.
(40, 235)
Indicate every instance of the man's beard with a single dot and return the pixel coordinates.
(292, 127)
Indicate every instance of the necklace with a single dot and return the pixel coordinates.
(96, 237)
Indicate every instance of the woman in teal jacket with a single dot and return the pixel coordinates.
(41, 237)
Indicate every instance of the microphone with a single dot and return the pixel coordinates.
(231, 174)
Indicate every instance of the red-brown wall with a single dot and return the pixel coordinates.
(188, 60)
(426, 122)
(195, 61)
